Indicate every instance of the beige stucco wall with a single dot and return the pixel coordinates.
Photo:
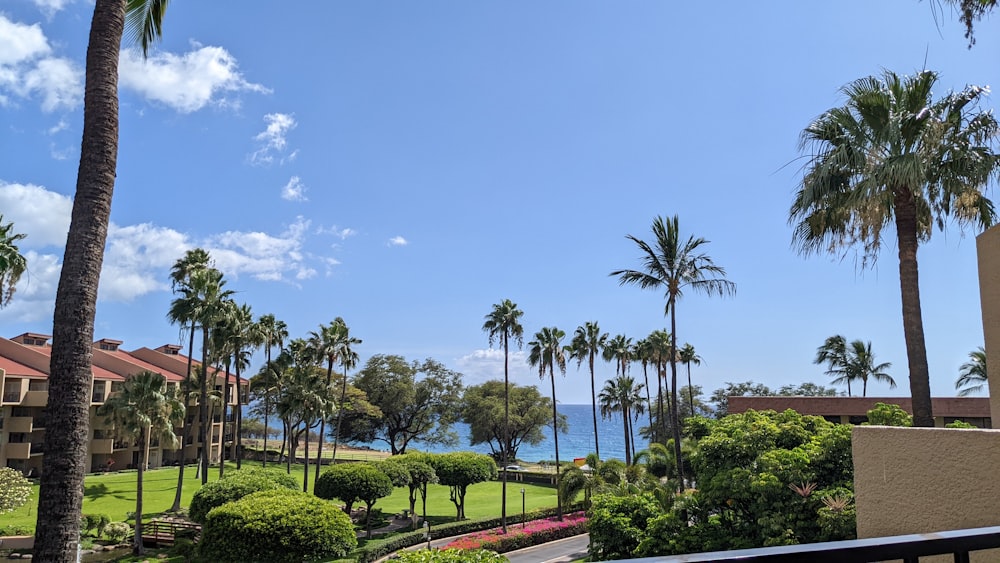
(918, 480)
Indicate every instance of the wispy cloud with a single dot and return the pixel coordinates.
(294, 190)
(50, 7)
(28, 70)
(398, 241)
(186, 82)
(273, 140)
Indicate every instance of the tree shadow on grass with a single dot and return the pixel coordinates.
(95, 491)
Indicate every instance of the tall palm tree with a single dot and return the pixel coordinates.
(504, 323)
(588, 341)
(673, 264)
(222, 353)
(893, 155)
(142, 409)
(861, 365)
(326, 345)
(688, 356)
(623, 395)
(348, 360)
(184, 309)
(546, 352)
(60, 497)
(239, 336)
(641, 351)
(833, 353)
(12, 263)
(272, 333)
(972, 374)
(658, 343)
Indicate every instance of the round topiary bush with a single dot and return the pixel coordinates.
(277, 525)
(234, 486)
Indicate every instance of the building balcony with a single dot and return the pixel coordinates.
(37, 448)
(19, 424)
(97, 397)
(35, 399)
(17, 450)
(122, 444)
(12, 396)
(102, 446)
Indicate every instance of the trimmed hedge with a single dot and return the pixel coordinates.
(234, 486)
(451, 556)
(279, 525)
(377, 549)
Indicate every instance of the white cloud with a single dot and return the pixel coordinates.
(294, 190)
(487, 363)
(273, 140)
(61, 126)
(398, 241)
(50, 7)
(41, 214)
(342, 234)
(260, 255)
(27, 68)
(186, 82)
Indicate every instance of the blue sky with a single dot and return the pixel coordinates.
(405, 165)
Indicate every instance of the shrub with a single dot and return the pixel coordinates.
(450, 556)
(234, 486)
(276, 525)
(14, 489)
(102, 522)
(116, 531)
(537, 532)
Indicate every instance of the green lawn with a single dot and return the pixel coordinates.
(114, 494)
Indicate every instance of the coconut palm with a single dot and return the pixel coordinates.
(184, 311)
(861, 365)
(688, 356)
(895, 156)
(144, 408)
(588, 341)
(327, 345)
(238, 336)
(504, 323)
(972, 374)
(673, 265)
(348, 360)
(272, 333)
(12, 263)
(833, 353)
(546, 352)
(622, 395)
(60, 496)
(641, 351)
(658, 350)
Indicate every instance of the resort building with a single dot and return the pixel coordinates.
(24, 370)
(854, 410)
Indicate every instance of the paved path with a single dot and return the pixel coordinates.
(564, 550)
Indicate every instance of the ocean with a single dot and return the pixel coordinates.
(577, 442)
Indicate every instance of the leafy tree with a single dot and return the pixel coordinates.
(618, 523)
(419, 474)
(503, 323)
(546, 351)
(972, 375)
(895, 156)
(352, 482)
(142, 409)
(459, 470)
(720, 397)
(889, 415)
(15, 489)
(588, 341)
(483, 411)
(622, 395)
(12, 263)
(418, 401)
(673, 265)
(273, 332)
(807, 389)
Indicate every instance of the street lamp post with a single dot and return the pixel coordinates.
(427, 533)
(522, 508)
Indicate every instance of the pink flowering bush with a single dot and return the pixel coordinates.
(534, 533)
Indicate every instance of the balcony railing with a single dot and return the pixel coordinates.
(97, 398)
(12, 396)
(909, 548)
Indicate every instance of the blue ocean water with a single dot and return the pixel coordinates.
(577, 442)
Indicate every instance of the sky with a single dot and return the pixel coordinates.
(406, 165)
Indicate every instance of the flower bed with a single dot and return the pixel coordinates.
(536, 532)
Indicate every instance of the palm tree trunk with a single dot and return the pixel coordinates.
(305, 462)
(322, 427)
(186, 431)
(225, 409)
(660, 420)
(340, 416)
(628, 456)
(690, 390)
(913, 324)
(137, 547)
(238, 438)
(505, 452)
(864, 387)
(593, 406)
(206, 424)
(555, 437)
(649, 402)
(267, 401)
(848, 386)
(287, 431)
(673, 392)
(60, 499)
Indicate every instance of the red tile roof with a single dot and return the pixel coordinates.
(99, 372)
(10, 367)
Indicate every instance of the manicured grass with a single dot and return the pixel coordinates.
(114, 494)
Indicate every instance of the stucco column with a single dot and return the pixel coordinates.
(988, 250)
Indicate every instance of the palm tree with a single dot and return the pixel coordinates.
(239, 336)
(688, 356)
(272, 333)
(892, 155)
(143, 408)
(588, 341)
(672, 264)
(503, 323)
(60, 497)
(972, 375)
(12, 263)
(546, 352)
(348, 360)
(861, 365)
(833, 353)
(326, 345)
(658, 348)
(642, 352)
(622, 395)
(184, 309)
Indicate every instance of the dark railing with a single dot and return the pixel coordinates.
(909, 548)
(97, 397)
(12, 397)
(38, 447)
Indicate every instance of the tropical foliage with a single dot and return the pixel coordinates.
(483, 410)
(12, 263)
(15, 489)
(546, 352)
(972, 375)
(852, 361)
